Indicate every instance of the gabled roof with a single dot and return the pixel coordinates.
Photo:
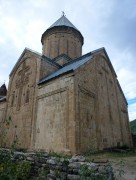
(63, 21)
(50, 61)
(26, 49)
(74, 64)
(68, 68)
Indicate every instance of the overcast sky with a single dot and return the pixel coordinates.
(103, 23)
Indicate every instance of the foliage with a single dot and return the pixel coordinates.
(119, 172)
(42, 174)
(10, 169)
(85, 172)
(92, 149)
(133, 126)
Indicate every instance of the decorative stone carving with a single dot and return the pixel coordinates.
(23, 80)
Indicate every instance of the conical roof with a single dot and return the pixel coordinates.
(63, 21)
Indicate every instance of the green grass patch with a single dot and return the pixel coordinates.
(108, 155)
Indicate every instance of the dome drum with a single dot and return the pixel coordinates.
(62, 40)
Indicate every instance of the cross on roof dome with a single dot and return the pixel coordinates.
(63, 21)
(63, 13)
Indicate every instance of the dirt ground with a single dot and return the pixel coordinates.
(126, 166)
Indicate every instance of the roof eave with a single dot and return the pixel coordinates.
(40, 83)
(45, 58)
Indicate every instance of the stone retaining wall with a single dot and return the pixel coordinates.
(46, 166)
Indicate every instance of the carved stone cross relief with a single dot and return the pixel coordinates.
(23, 80)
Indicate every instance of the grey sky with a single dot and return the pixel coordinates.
(109, 23)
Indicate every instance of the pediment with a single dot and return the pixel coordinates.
(27, 53)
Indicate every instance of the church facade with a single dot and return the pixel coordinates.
(64, 101)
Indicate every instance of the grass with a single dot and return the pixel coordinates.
(110, 155)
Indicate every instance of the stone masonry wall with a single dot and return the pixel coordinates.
(124, 120)
(62, 42)
(85, 107)
(55, 116)
(98, 105)
(2, 118)
(46, 68)
(110, 101)
(46, 166)
(108, 114)
(2, 111)
(21, 96)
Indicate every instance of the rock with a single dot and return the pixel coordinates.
(100, 161)
(63, 176)
(45, 154)
(42, 159)
(73, 177)
(75, 165)
(77, 159)
(30, 154)
(70, 171)
(19, 155)
(60, 168)
(30, 159)
(44, 165)
(76, 171)
(55, 168)
(102, 170)
(92, 166)
(59, 163)
(64, 168)
(51, 177)
(52, 161)
(62, 159)
(52, 172)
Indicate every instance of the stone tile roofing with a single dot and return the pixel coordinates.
(63, 21)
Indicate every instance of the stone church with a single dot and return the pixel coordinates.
(61, 100)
